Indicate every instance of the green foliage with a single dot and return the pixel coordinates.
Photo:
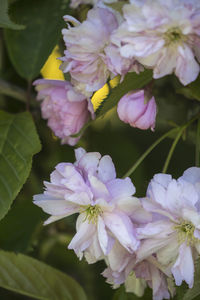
(191, 91)
(18, 227)
(131, 82)
(28, 276)
(120, 294)
(29, 49)
(18, 143)
(5, 21)
(194, 88)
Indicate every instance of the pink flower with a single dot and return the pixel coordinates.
(65, 109)
(124, 268)
(162, 35)
(84, 57)
(174, 233)
(154, 277)
(104, 203)
(132, 109)
(118, 64)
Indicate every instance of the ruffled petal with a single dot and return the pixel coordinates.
(120, 188)
(122, 228)
(183, 269)
(106, 169)
(83, 238)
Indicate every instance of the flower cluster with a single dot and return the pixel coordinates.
(146, 241)
(161, 35)
(66, 109)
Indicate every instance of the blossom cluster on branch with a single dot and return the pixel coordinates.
(151, 241)
(161, 35)
(144, 241)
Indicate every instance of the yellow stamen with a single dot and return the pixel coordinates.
(92, 212)
(186, 233)
(174, 35)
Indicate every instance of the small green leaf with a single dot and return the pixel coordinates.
(5, 21)
(194, 87)
(28, 276)
(191, 91)
(18, 143)
(30, 48)
(121, 294)
(131, 82)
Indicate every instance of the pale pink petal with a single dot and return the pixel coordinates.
(79, 152)
(150, 246)
(54, 219)
(118, 258)
(122, 228)
(83, 238)
(81, 198)
(102, 235)
(166, 63)
(55, 206)
(89, 162)
(183, 269)
(191, 175)
(106, 169)
(187, 68)
(121, 188)
(94, 252)
(128, 204)
(98, 188)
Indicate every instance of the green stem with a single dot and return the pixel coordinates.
(171, 151)
(179, 134)
(141, 158)
(13, 91)
(167, 134)
(28, 95)
(197, 152)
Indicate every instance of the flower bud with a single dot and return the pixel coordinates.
(64, 108)
(134, 109)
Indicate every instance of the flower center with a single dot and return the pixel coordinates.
(174, 35)
(186, 232)
(92, 212)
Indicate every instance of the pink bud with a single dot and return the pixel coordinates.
(64, 108)
(135, 110)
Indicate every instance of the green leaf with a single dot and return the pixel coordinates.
(194, 88)
(28, 276)
(121, 294)
(131, 82)
(191, 91)
(18, 143)
(5, 21)
(18, 227)
(30, 48)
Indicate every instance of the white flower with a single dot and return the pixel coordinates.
(84, 57)
(174, 234)
(162, 35)
(104, 203)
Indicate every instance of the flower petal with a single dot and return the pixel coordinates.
(122, 228)
(106, 169)
(183, 269)
(120, 188)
